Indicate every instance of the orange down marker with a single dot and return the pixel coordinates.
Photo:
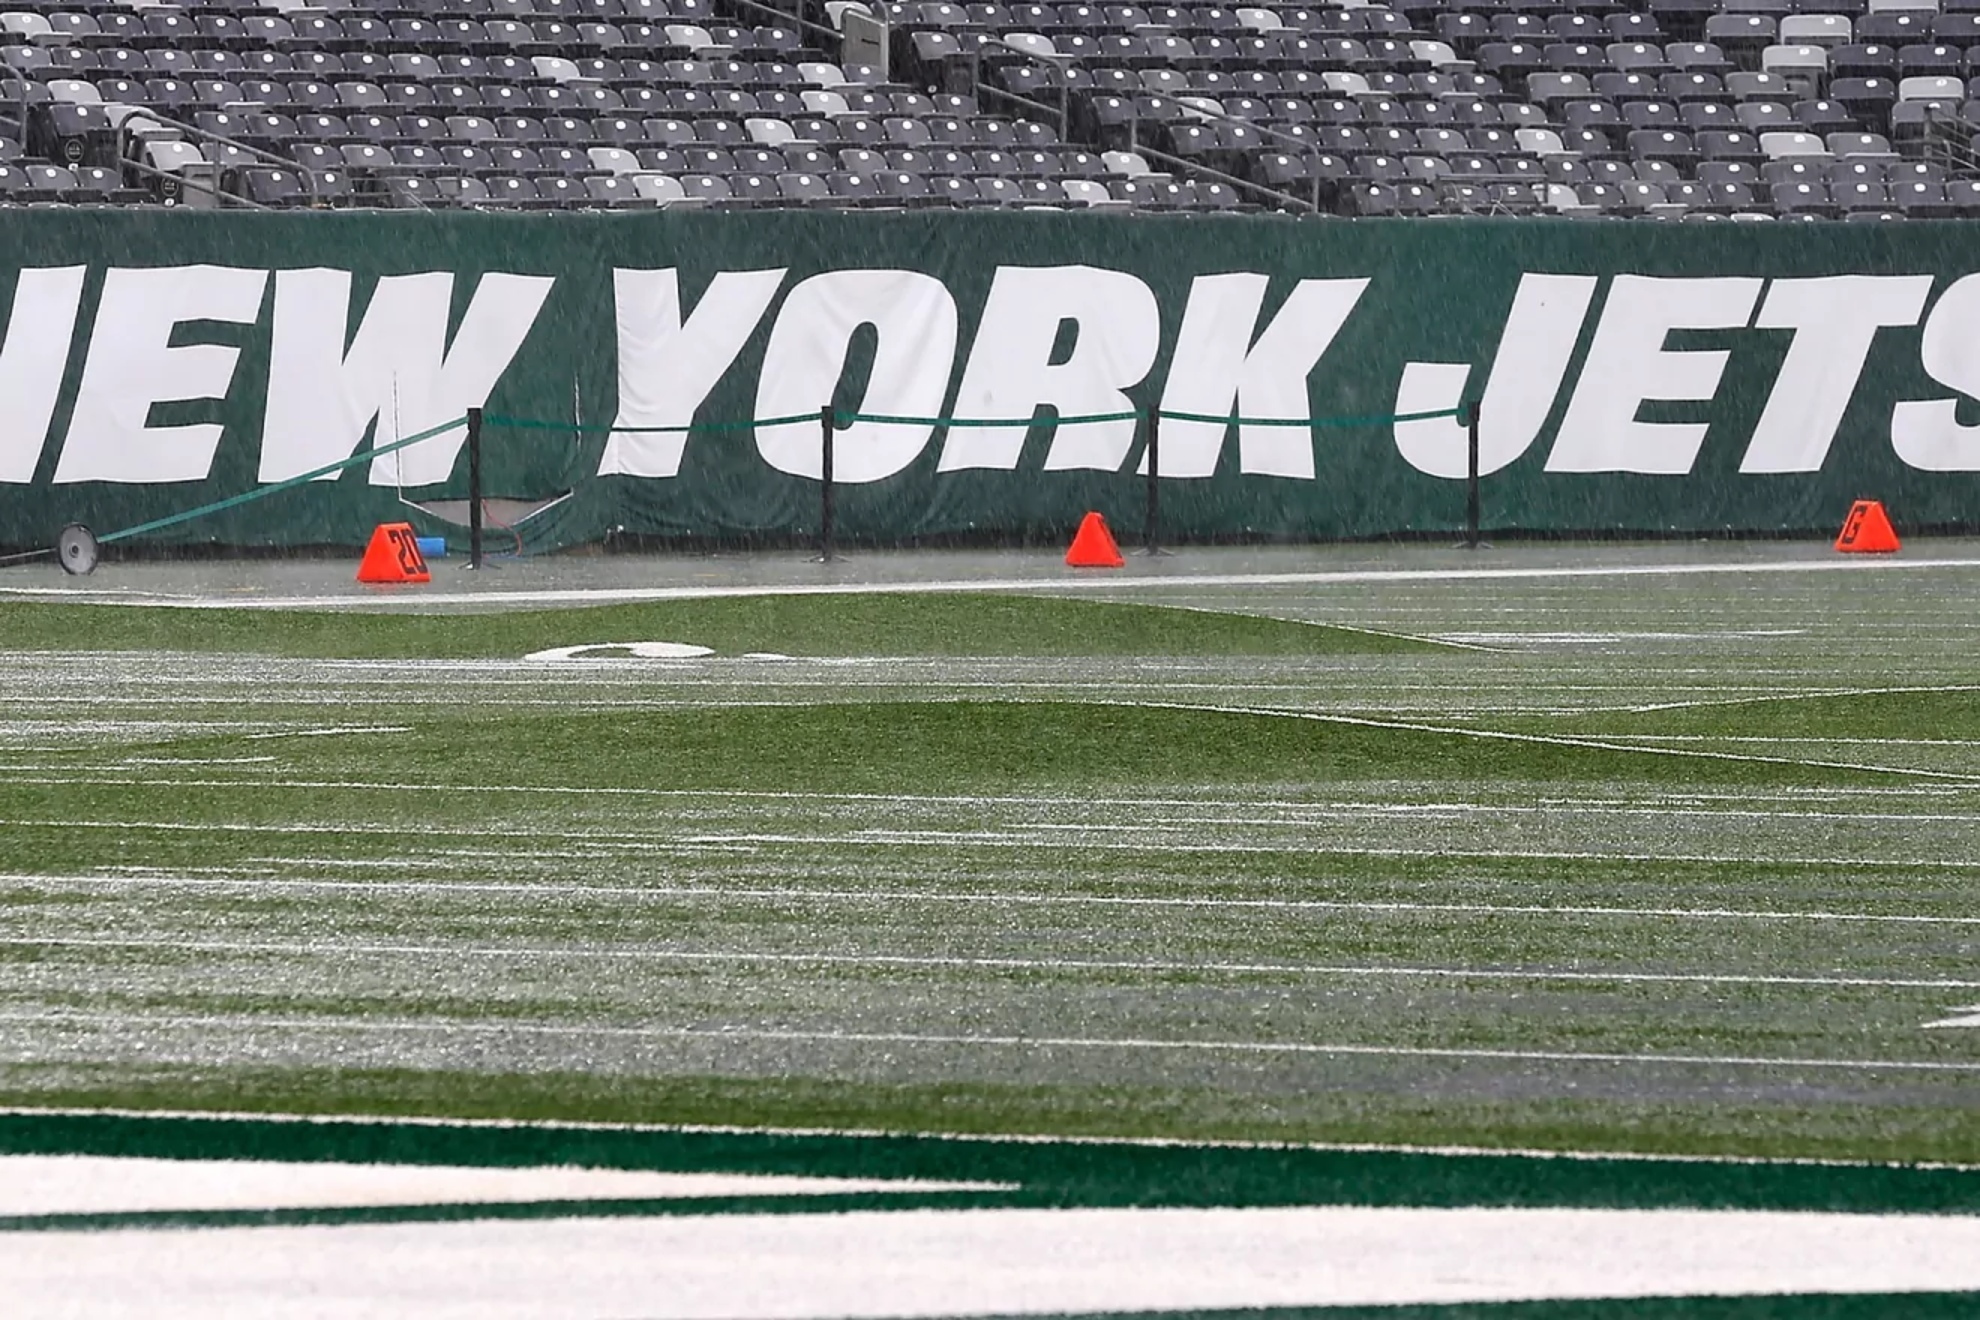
(1867, 530)
(393, 556)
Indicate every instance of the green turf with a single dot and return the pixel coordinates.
(960, 624)
(970, 744)
(1141, 1112)
(984, 884)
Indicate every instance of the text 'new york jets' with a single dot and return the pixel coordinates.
(1577, 358)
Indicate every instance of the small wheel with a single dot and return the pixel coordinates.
(75, 546)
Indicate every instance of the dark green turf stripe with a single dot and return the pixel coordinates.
(949, 745)
(1799, 1306)
(1050, 1173)
(615, 1208)
(968, 624)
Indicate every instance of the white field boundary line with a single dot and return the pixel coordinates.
(1554, 740)
(1756, 738)
(1765, 697)
(1543, 638)
(332, 731)
(1161, 582)
(1165, 967)
(457, 1026)
(921, 1134)
(607, 844)
(1454, 643)
(241, 878)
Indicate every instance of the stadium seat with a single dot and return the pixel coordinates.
(1287, 97)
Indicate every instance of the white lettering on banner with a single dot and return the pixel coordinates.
(399, 369)
(1833, 319)
(915, 320)
(1216, 367)
(1628, 364)
(40, 329)
(1011, 372)
(1927, 433)
(1538, 342)
(132, 365)
(667, 364)
(443, 380)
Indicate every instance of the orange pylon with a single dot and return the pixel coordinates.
(1093, 545)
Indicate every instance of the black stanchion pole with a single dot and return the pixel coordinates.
(1471, 474)
(474, 486)
(1151, 526)
(826, 424)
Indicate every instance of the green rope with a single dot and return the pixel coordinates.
(841, 420)
(1378, 419)
(538, 424)
(261, 491)
(845, 419)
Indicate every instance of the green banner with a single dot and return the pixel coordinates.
(1634, 377)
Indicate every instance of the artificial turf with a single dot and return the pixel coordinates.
(989, 820)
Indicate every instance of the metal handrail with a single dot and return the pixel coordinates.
(153, 172)
(1062, 111)
(1194, 168)
(1942, 127)
(309, 176)
(1305, 146)
(978, 87)
(795, 20)
(20, 75)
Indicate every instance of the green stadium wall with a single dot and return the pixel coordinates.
(1637, 378)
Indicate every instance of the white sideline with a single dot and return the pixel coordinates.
(973, 1262)
(611, 595)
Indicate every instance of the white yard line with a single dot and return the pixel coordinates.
(339, 949)
(252, 881)
(73, 1019)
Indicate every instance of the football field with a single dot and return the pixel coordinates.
(1665, 851)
